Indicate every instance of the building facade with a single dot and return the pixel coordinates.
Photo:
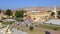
(40, 15)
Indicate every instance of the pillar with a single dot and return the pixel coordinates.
(54, 10)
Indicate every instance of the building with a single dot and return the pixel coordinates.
(39, 15)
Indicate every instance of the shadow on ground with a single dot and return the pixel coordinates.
(46, 32)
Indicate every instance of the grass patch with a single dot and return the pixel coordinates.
(34, 31)
(49, 27)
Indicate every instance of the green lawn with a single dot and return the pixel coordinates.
(34, 31)
(49, 27)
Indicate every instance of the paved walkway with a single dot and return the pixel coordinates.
(50, 31)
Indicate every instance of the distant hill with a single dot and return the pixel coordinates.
(38, 8)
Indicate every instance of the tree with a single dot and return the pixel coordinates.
(52, 14)
(0, 10)
(19, 14)
(8, 12)
(58, 12)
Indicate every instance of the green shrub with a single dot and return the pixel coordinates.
(55, 29)
(18, 28)
(26, 25)
(31, 27)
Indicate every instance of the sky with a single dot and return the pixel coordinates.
(15, 4)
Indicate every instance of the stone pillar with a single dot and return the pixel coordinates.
(6, 30)
(54, 10)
